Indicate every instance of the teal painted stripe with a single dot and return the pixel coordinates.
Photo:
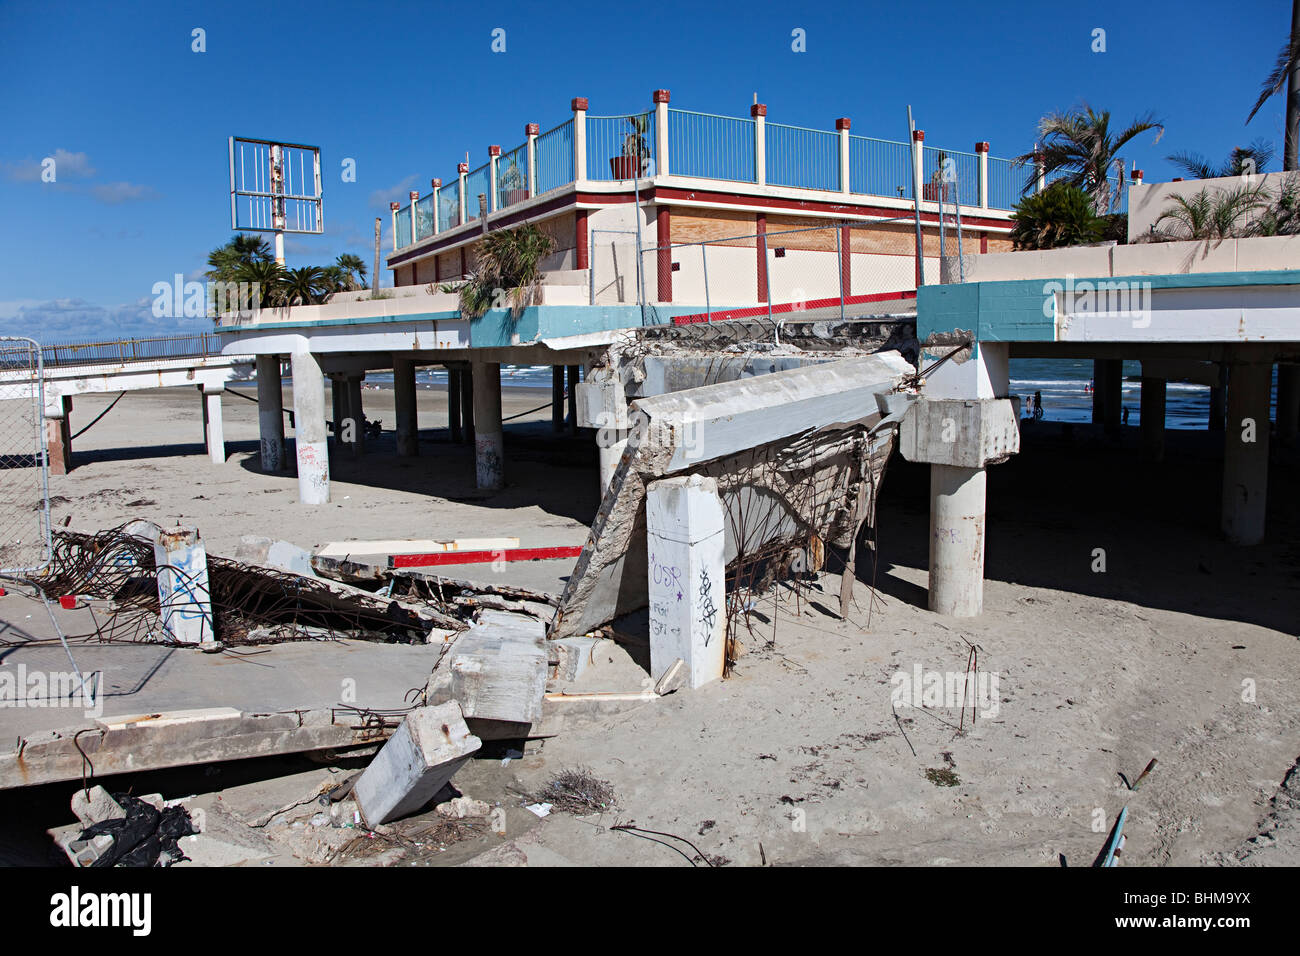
(266, 327)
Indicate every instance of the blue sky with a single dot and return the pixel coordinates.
(138, 122)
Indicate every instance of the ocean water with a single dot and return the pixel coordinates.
(1065, 383)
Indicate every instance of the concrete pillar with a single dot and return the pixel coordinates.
(982, 151)
(393, 208)
(579, 107)
(531, 130)
(310, 446)
(1245, 452)
(354, 417)
(213, 433)
(661, 98)
(270, 412)
(414, 196)
(758, 112)
(1107, 393)
(489, 459)
(571, 417)
(1218, 407)
(557, 398)
(185, 604)
(1288, 403)
(686, 547)
(466, 376)
(408, 423)
(1153, 417)
(462, 171)
(957, 505)
(918, 159)
(338, 407)
(453, 406)
(842, 125)
(58, 434)
(437, 190)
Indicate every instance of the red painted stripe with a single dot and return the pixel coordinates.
(751, 311)
(480, 557)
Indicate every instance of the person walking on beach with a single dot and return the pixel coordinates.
(1038, 406)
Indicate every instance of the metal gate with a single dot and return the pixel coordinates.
(25, 540)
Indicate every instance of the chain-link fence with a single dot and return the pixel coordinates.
(832, 269)
(24, 469)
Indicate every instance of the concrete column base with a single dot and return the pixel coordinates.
(1153, 417)
(489, 446)
(270, 413)
(1245, 453)
(354, 424)
(407, 425)
(957, 503)
(686, 548)
(310, 444)
(213, 432)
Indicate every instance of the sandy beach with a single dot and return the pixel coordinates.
(1181, 649)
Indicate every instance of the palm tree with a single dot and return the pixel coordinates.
(506, 261)
(354, 269)
(303, 286)
(1079, 145)
(1286, 74)
(266, 279)
(1242, 159)
(224, 261)
(1211, 213)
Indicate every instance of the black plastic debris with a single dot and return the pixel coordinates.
(145, 837)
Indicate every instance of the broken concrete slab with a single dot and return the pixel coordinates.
(574, 655)
(674, 678)
(418, 760)
(253, 549)
(496, 671)
(95, 806)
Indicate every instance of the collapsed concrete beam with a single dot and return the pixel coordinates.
(714, 429)
(177, 739)
(419, 759)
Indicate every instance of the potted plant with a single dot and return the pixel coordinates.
(936, 188)
(513, 187)
(636, 152)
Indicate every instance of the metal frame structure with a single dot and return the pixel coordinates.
(274, 188)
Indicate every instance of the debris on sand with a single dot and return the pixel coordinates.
(942, 777)
(577, 791)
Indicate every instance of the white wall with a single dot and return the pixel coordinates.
(1148, 201)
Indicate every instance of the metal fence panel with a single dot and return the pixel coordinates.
(403, 238)
(477, 183)
(555, 158)
(1007, 181)
(449, 203)
(620, 147)
(710, 146)
(512, 177)
(804, 158)
(879, 167)
(424, 217)
(24, 468)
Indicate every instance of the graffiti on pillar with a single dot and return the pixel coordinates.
(667, 576)
(708, 610)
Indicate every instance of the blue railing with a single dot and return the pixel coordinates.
(477, 182)
(709, 146)
(424, 217)
(879, 167)
(713, 146)
(620, 147)
(555, 158)
(1007, 182)
(512, 177)
(449, 204)
(805, 158)
(403, 237)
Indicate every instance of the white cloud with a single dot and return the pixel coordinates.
(120, 192)
(67, 165)
(76, 320)
(380, 198)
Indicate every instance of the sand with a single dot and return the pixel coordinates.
(1182, 649)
